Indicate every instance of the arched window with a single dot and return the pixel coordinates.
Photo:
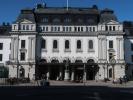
(78, 44)
(67, 44)
(55, 45)
(90, 44)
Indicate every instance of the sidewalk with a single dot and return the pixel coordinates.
(87, 83)
(91, 83)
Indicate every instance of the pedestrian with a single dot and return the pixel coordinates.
(120, 80)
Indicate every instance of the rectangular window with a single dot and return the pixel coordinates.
(15, 27)
(22, 56)
(63, 29)
(1, 46)
(87, 29)
(106, 28)
(78, 29)
(110, 28)
(75, 29)
(27, 27)
(46, 28)
(82, 29)
(132, 46)
(70, 29)
(22, 43)
(52, 29)
(93, 29)
(67, 29)
(113, 28)
(90, 29)
(1, 57)
(23, 27)
(58, 28)
(32, 26)
(111, 44)
(43, 44)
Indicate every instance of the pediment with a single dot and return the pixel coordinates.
(25, 21)
(112, 22)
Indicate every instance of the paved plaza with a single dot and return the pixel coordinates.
(129, 84)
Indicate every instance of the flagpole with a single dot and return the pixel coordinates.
(67, 5)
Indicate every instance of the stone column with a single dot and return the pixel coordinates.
(72, 75)
(60, 73)
(16, 48)
(29, 49)
(66, 78)
(118, 48)
(48, 73)
(33, 48)
(122, 49)
(99, 46)
(104, 49)
(12, 48)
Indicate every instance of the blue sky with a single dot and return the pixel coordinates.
(10, 9)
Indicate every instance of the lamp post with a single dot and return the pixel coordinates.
(113, 62)
(66, 70)
(104, 64)
(84, 77)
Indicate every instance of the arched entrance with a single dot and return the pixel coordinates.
(91, 69)
(41, 69)
(79, 70)
(54, 70)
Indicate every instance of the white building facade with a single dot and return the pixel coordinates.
(73, 44)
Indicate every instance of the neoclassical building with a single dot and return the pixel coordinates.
(67, 44)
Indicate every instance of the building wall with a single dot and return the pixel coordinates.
(72, 54)
(6, 49)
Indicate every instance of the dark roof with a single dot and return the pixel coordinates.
(26, 13)
(5, 29)
(63, 10)
(42, 8)
(128, 27)
(107, 15)
(89, 16)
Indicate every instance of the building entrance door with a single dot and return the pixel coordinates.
(79, 75)
(54, 72)
(90, 73)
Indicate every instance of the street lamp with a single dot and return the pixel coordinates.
(113, 62)
(84, 75)
(66, 70)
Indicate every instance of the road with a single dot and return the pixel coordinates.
(66, 93)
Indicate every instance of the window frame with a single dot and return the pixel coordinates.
(1, 46)
(23, 41)
(78, 49)
(111, 46)
(90, 49)
(43, 44)
(1, 57)
(57, 47)
(21, 56)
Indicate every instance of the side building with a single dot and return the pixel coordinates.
(128, 47)
(5, 42)
(67, 44)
